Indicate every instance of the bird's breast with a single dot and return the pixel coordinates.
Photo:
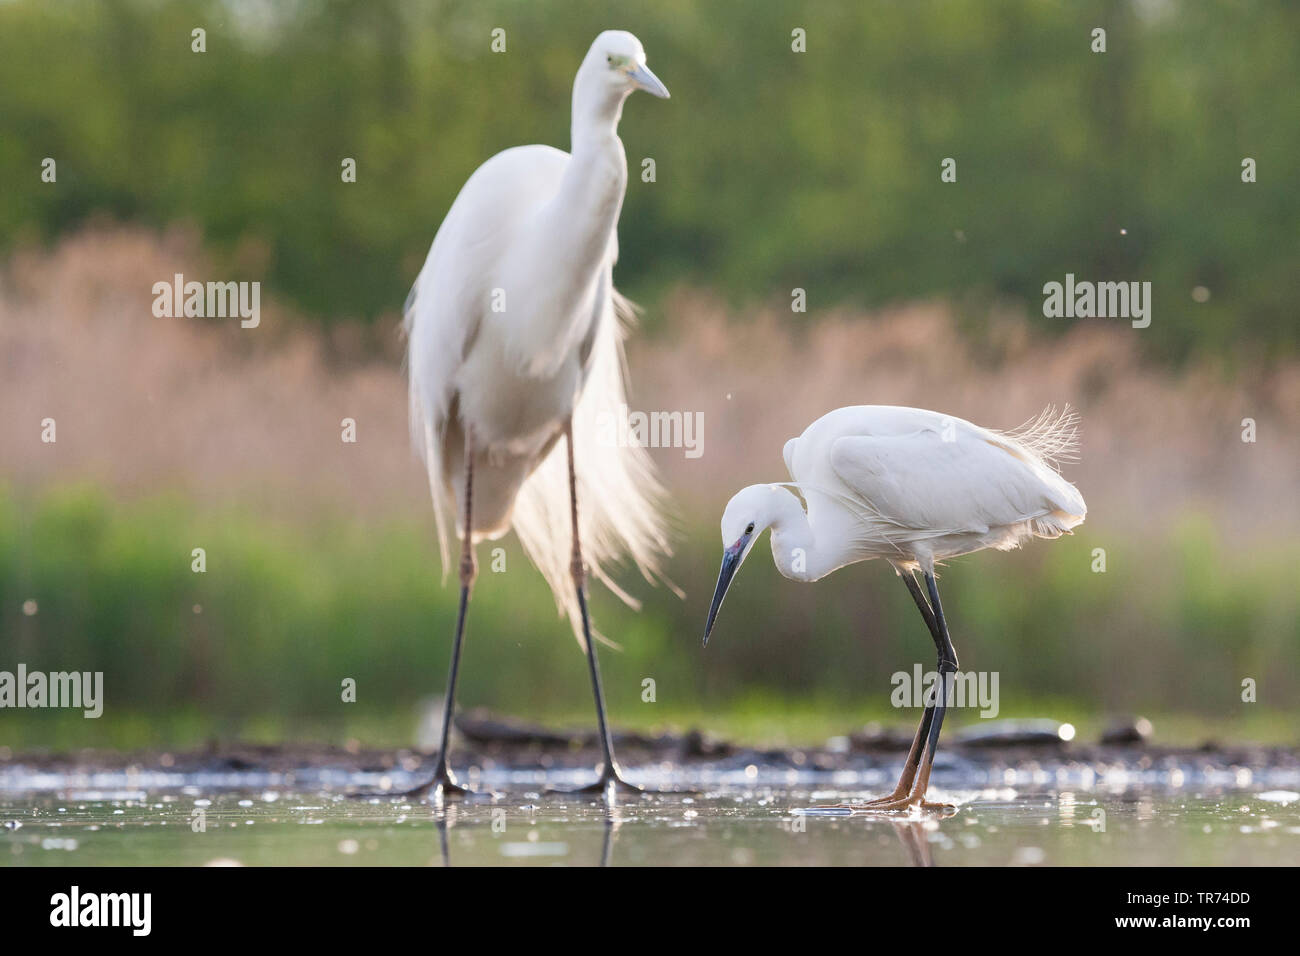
(515, 413)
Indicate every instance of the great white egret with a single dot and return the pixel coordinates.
(913, 487)
(515, 338)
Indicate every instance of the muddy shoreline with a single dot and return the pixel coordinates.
(485, 742)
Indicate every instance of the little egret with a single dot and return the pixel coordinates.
(913, 487)
(515, 336)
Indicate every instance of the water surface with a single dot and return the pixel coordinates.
(730, 825)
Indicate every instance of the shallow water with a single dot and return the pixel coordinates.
(107, 819)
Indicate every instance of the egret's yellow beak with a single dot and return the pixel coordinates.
(645, 80)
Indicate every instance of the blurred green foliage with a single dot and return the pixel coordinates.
(283, 613)
(774, 169)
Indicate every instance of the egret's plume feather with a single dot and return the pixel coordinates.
(619, 497)
(1051, 437)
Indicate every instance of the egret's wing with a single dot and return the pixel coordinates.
(788, 454)
(436, 347)
(445, 307)
(921, 485)
(441, 318)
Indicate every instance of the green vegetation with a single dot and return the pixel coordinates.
(773, 169)
(286, 613)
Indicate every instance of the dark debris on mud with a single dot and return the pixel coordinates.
(486, 740)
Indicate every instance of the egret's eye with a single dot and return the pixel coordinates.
(750, 529)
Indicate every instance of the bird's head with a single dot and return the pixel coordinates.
(617, 59)
(749, 513)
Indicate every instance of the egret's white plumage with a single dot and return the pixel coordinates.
(514, 325)
(909, 485)
(913, 487)
(515, 340)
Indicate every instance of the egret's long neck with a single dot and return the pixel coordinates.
(590, 197)
(597, 109)
(794, 546)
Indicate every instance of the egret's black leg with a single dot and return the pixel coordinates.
(610, 774)
(915, 779)
(443, 783)
(947, 668)
(904, 785)
(939, 628)
(905, 779)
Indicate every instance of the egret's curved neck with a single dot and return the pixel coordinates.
(597, 108)
(586, 208)
(794, 545)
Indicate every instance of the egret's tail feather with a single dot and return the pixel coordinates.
(1056, 524)
(619, 496)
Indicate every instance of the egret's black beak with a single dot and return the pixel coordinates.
(731, 559)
